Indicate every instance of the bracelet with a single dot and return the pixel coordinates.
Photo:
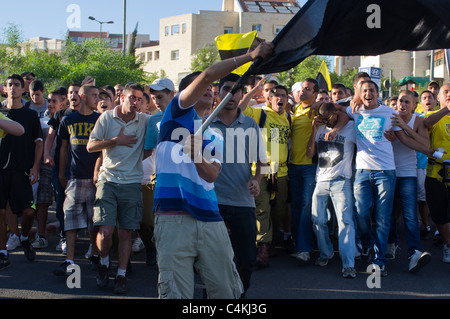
(235, 62)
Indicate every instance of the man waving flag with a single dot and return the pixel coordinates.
(359, 27)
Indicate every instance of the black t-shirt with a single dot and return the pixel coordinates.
(76, 129)
(17, 152)
(54, 123)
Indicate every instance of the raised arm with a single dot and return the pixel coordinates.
(218, 70)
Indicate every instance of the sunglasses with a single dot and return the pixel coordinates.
(326, 120)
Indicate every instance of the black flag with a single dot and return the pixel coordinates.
(359, 27)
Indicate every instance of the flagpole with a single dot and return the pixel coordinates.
(238, 85)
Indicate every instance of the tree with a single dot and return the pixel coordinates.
(205, 57)
(93, 57)
(12, 35)
(132, 48)
(308, 68)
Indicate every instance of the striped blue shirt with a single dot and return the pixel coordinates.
(178, 185)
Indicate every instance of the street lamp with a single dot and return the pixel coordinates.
(101, 23)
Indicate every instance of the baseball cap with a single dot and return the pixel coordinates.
(161, 84)
(297, 86)
(102, 91)
(433, 82)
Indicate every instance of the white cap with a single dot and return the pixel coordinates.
(297, 86)
(161, 84)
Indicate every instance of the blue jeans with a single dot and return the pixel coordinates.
(340, 192)
(406, 201)
(241, 222)
(374, 188)
(302, 179)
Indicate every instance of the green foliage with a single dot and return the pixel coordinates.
(93, 57)
(205, 57)
(132, 49)
(12, 35)
(308, 68)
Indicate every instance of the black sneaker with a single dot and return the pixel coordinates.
(120, 285)
(29, 251)
(426, 233)
(103, 276)
(289, 244)
(94, 261)
(4, 261)
(150, 257)
(61, 270)
(367, 254)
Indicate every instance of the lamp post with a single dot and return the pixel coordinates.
(124, 26)
(101, 23)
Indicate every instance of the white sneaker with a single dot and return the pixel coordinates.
(418, 260)
(61, 247)
(138, 245)
(446, 253)
(89, 252)
(39, 242)
(13, 242)
(303, 256)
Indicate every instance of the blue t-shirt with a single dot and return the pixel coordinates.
(179, 188)
(151, 139)
(76, 128)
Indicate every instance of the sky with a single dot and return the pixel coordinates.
(49, 18)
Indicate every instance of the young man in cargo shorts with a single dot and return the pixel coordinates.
(120, 134)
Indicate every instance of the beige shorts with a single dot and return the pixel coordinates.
(182, 242)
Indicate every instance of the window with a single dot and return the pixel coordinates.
(277, 29)
(156, 55)
(166, 31)
(183, 28)
(256, 27)
(175, 29)
(149, 56)
(227, 30)
(175, 55)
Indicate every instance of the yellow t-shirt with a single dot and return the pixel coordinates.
(276, 137)
(419, 108)
(2, 132)
(439, 138)
(301, 132)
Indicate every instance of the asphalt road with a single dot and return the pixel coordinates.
(284, 279)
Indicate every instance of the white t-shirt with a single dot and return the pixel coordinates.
(374, 151)
(335, 157)
(405, 157)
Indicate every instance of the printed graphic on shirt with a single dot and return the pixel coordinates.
(330, 153)
(79, 133)
(279, 133)
(370, 127)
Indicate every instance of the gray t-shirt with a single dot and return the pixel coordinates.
(121, 164)
(39, 109)
(243, 145)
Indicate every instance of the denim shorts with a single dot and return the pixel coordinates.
(118, 205)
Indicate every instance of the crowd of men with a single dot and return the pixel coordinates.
(300, 168)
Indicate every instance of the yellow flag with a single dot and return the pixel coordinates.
(235, 44)
(323, 77)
